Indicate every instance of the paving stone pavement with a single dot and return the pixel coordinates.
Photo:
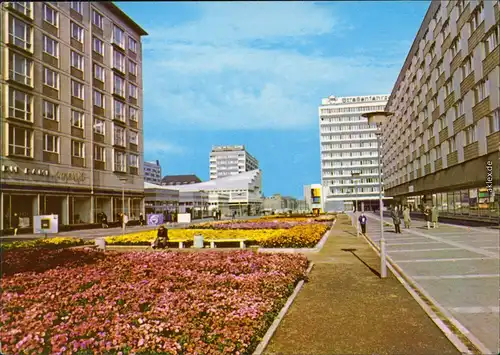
(457, 266)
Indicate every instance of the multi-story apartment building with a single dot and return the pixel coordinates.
(71, 94)
(441, 146)
(349, 167)
(230, 160)
(152, 172)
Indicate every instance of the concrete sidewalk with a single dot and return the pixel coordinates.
(345, 308)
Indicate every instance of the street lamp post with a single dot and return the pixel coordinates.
(355, 175)
(378, 118)
(123, 180)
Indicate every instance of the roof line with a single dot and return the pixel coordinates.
(114, 8)
(431, 11)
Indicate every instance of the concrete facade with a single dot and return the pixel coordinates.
(349, 147)
(441, 146)
(72, 117)
(230, 160)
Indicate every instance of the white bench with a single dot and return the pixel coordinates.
(214, 241)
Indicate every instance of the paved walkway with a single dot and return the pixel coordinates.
(457, 266)
(345, 308)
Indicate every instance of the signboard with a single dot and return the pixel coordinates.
(46, 224)
(155, 219)
(184, 218)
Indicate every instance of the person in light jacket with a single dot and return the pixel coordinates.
(406, 217)
(435, 216)
(396, 219)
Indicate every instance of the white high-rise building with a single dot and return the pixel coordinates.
(349, 167)
(230, 160)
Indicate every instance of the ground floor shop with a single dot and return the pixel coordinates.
(473, 203)
(338, 205)
(73, 207)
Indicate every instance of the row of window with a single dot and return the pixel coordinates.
(354, 127)
(21, 144)
(353, 191)
(354, 163)
(21, 107)
(352, 109)
(353, 154)
(349, 136)
(338, 119)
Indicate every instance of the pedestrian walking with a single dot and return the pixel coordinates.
(15, 223)
(396, 220)
(104, 220)
(141, 220)
(406, 217)
(427, 214)
(362, 221)
(124, 220)
(435, 216)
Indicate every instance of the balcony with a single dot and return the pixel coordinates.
(452, 158)
(438, 164)
(449, 101)
(496, 9)
(418, 173)
(412, 177)
(476, 37)
(456, 61)
(459, 124)
(481, 109)
(464, 17)
(446, 43)
(443, 135)
(440, 81)
(431, 143)
(493, 142)
(468, 83)
(429, 95)
(471, 151)
(435, 114)
(427, 169)
(421, 150)
(491, 61)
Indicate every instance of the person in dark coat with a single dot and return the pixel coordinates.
(141, 220)
(396, 219)
(104, 220)
(15, 223)
(362, 221)
(427, 214)
(161, 238)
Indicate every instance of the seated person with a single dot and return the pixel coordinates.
(161, 238)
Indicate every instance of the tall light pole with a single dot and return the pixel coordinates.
(378, 118)
(354, 176)
(123, 180)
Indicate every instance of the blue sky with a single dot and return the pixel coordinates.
(222, 73)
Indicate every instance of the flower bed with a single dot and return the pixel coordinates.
(50, 243)
(301, 236)
(169, 303)
(250, 225)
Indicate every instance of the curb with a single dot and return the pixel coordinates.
(316, 249)
(475, 346)
(270, 332)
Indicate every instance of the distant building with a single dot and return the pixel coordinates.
(152, 172)
(171, 180)
(230, 160)
(349, 166)
(279, 203)
(244, 191)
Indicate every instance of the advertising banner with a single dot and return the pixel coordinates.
(46, 224)
(155, 219)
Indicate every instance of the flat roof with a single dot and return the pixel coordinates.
(119, 12)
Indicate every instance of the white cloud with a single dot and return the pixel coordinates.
(156, 146)
(210, 73)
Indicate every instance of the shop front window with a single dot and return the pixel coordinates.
(464, 194)
(473, 203)
(458, 202)
(443, 207)
(451, 203)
